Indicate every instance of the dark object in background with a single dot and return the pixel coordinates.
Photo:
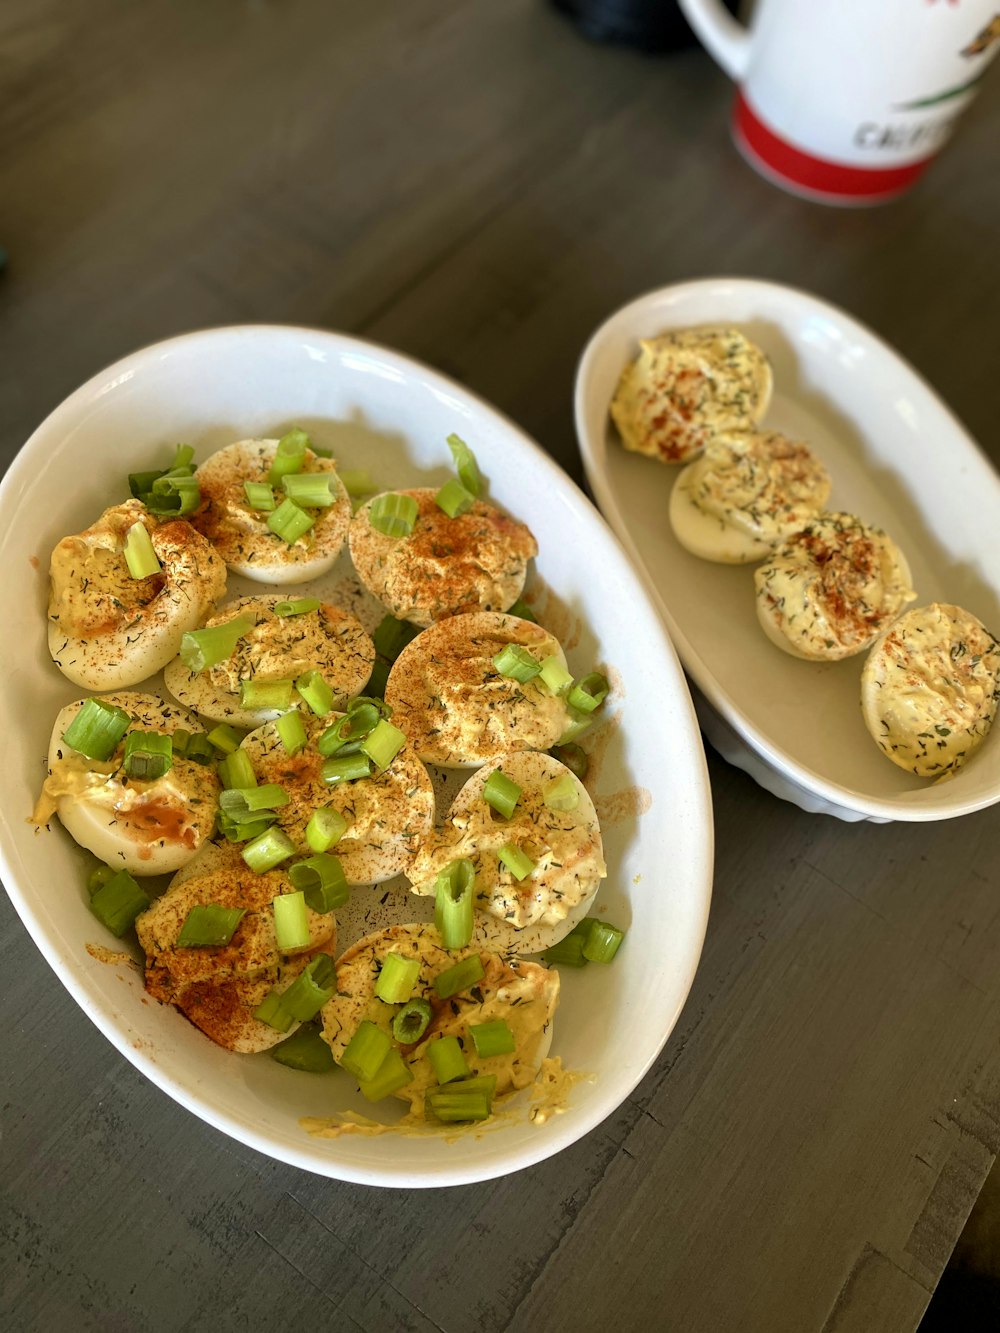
(648, 25)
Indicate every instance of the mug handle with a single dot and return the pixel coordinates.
(724, 38)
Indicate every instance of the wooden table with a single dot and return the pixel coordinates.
(474, 184)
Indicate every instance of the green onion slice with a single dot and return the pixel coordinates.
(345, 768)
(365, 1051)
(574, 757)
(304, 1050)
(209, 925)
(523, 611)
(460, 977)
(412, 1021)
(471, 1099)
(602, 942)
(454, 499)
(466, 465)
(268, 850)
(98, 877)
(315, 986)
(554, 675)
(518, 862)
(397, 978)
(289, 522)
(493, 1038)
(393, 515)
(502, 793)
(260, 496)
(562, 793)
(447, 1059)
(454, 903)
(199, 748)
(266, 694)
(577, 725)
(149, 755)
(383, 744)
(516, 663)
(568, 952)
(236, 770)
(289, 456)
(272, 1012)
(97, 729)
(254, 799)
(321, 878)
(379, 678)
(325, 828)
(298, 606)
(139, 555)
(393, 1073)
(291, 921)
(310, 489)
(316, 692)
(391, 636)
(203, 648)
(292, 731)
(226, 738)
(117, 903)
(589, 693)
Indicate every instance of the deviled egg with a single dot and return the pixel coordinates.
(280, 647)
(249, 538)
(830, 590)
(389, 814)
(746, 493)
(107, 629)
(929, 689)
(457, 708)
(146, 826)
(687, 387)
(476, 561)
(553, 824)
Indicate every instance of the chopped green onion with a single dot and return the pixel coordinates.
(322, 880)
(149, 755)
(454, 499)
(272, 1012)
(562, 793)
(325, 828)
(345, 768)
(518, 862)
(292, 731)
(98, 877)
(466, 465)
(603, 941)
(289, 522)
(357, 481)
(172, 495)
(393, 515)
(358, 722)
(265, 694)
(517, 663)
(574, 757)
(97, 729)
(578, 724)
(236, 770)
(365, 1051)
(502, 793)
(291, 921)
(447, 1059)
(117, 903)
(393, 1073)
(315, 986)
(298, 606)
(383, 744)
(139, 554)
(199, 748)
(311, 489)
(493, 1038)
(226, 738)
(361, 702)
(523, 611)
(203, 648)
(305, 1050)
(454, 909)
(254, 798)
(460, 977)
(316, 692)
(554, 675)
(246, 828)
(379, 678)
(568, 952)
(260, 496)
(209, 925)
(449, 1106)
(267, 850)
(391, 636)
(397, 978)
(589, 693)
(412, 1021)
(289, 456)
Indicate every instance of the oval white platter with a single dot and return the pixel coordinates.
(383, 412)
(897, 457)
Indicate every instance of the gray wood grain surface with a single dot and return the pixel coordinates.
(475, 185)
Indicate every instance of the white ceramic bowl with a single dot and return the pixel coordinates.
(383, 412)
(896, 456)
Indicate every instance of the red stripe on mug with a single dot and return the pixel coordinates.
(812, 174)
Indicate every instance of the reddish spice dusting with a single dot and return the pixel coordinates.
(155, 819)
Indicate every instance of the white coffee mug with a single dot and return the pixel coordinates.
(849, 100)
